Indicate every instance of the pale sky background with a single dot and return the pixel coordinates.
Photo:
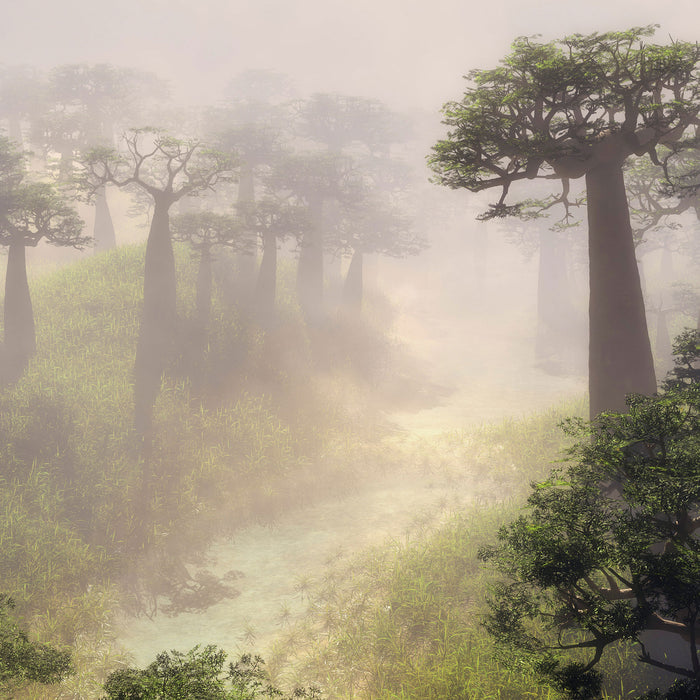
(410, 53)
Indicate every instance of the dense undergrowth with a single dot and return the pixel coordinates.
(243, 429)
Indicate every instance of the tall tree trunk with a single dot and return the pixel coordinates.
(103, 234)
(310, 268)
(352, 289)
(65, 164)
(620, 358)
(20, 338)
(246, 262)
(203, 299)
(158, 319)
(266, 287)
(15, 131)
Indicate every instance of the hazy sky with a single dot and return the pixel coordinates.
(411, 53)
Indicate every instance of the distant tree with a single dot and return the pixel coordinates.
(272, 220)
(29, 212)
(21, 98)
(256, 147)
(84, 105)
(573, 108)
(204, 230)
(311, 180)
(339, 121)
(166, 169)
(608, 550)
(371, 225)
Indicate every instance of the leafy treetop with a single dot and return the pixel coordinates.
(555, 110)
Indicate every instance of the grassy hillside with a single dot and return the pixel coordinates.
(241, 431)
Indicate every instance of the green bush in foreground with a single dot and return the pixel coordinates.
(198, 674)
(607, 552)
(23, 661)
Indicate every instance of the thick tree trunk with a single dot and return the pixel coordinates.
(158, 319)
(20, 338)
(103, 234)
(310, 269)
(203, 299)
(352, 289)
(266, 287)
(620, 358)
(246, 262)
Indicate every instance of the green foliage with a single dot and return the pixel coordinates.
(403, 620)
(198, 674)
(543, 111)
(23, 661)
(607, 548)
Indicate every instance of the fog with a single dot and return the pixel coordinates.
(260, 472)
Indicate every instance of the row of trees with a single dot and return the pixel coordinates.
(323, 164)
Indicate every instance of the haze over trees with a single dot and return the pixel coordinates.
(167, 169)
(575, 108)
(29, 213)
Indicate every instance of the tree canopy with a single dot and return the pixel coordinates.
(555, 110)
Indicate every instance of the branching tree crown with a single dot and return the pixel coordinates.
(555, 110)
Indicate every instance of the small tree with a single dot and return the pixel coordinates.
(205, 230)
(271, 220)
(608, 550)
(579, 108)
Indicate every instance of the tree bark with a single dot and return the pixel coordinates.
(352, 289)
(310, 268)
(203, 298)
(246, 262)
(103, 233)
(158, 319)
(266, 287)
(20, 337)
(620, 358)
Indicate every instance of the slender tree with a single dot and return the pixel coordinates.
(575, 108)
(272, 220)
(203, 231)
(166, 169)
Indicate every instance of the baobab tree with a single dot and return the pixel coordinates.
(166, 169)
(575, 108)
(203, 231)
(271, 220)
(29, 212)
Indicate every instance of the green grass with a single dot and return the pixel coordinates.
(241, 433)
(404, 621)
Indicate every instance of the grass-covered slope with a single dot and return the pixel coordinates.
(241, 431)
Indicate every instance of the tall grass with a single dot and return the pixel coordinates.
(241, 432)
(405, 620)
